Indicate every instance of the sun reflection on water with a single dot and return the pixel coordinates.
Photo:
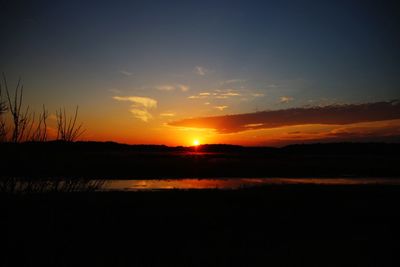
(236, 183)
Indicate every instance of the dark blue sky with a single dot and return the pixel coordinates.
(346, 49)
(271, 53)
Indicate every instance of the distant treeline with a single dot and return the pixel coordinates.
(111, 160)
(315, 148)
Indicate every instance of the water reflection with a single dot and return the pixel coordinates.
(235, 183)
(14, 185)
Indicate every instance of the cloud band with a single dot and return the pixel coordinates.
(331, 115)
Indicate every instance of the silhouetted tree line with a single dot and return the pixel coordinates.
(20, 124)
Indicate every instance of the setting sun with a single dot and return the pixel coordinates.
(178, 125)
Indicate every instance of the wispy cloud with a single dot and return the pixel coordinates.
(230, 94)
(183, 88)
(146, 102)
(180, 87)
(140, 106)
(141, 114)
(285, 99)
(217, 94)
(328, 115)
(221, 107)
(200, 70)
(253, 125)
(196, 96)
(167, 114)
(382, 131)
(126, 73)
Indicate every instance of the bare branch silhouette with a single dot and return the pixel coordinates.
(40, 131)
(21, 119)
(3, 110)
(23, 124)
(67, 129)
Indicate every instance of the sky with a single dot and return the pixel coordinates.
(158, 72)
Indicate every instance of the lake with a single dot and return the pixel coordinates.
(107, 185)
(235, 183)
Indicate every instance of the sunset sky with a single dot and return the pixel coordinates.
(140, 71)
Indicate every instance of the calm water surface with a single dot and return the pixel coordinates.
(234, 183)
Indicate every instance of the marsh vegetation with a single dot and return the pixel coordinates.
(18, 123)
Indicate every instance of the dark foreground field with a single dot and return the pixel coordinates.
(117, 161)
(296, 225)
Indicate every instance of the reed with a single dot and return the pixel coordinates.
(67, 128)
(19, 124)
(21, 118)
(13, 185)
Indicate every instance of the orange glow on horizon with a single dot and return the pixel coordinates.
(129, 131)
(196, 142)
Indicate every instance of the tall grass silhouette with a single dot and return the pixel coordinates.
(23, 125)
(65, 185)
(67, 128)
(3, 110)
(20, 118)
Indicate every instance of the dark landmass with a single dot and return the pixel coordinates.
(118, 161)
(271, 225)
(280, 225)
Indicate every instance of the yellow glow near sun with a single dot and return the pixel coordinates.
(196, 142)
